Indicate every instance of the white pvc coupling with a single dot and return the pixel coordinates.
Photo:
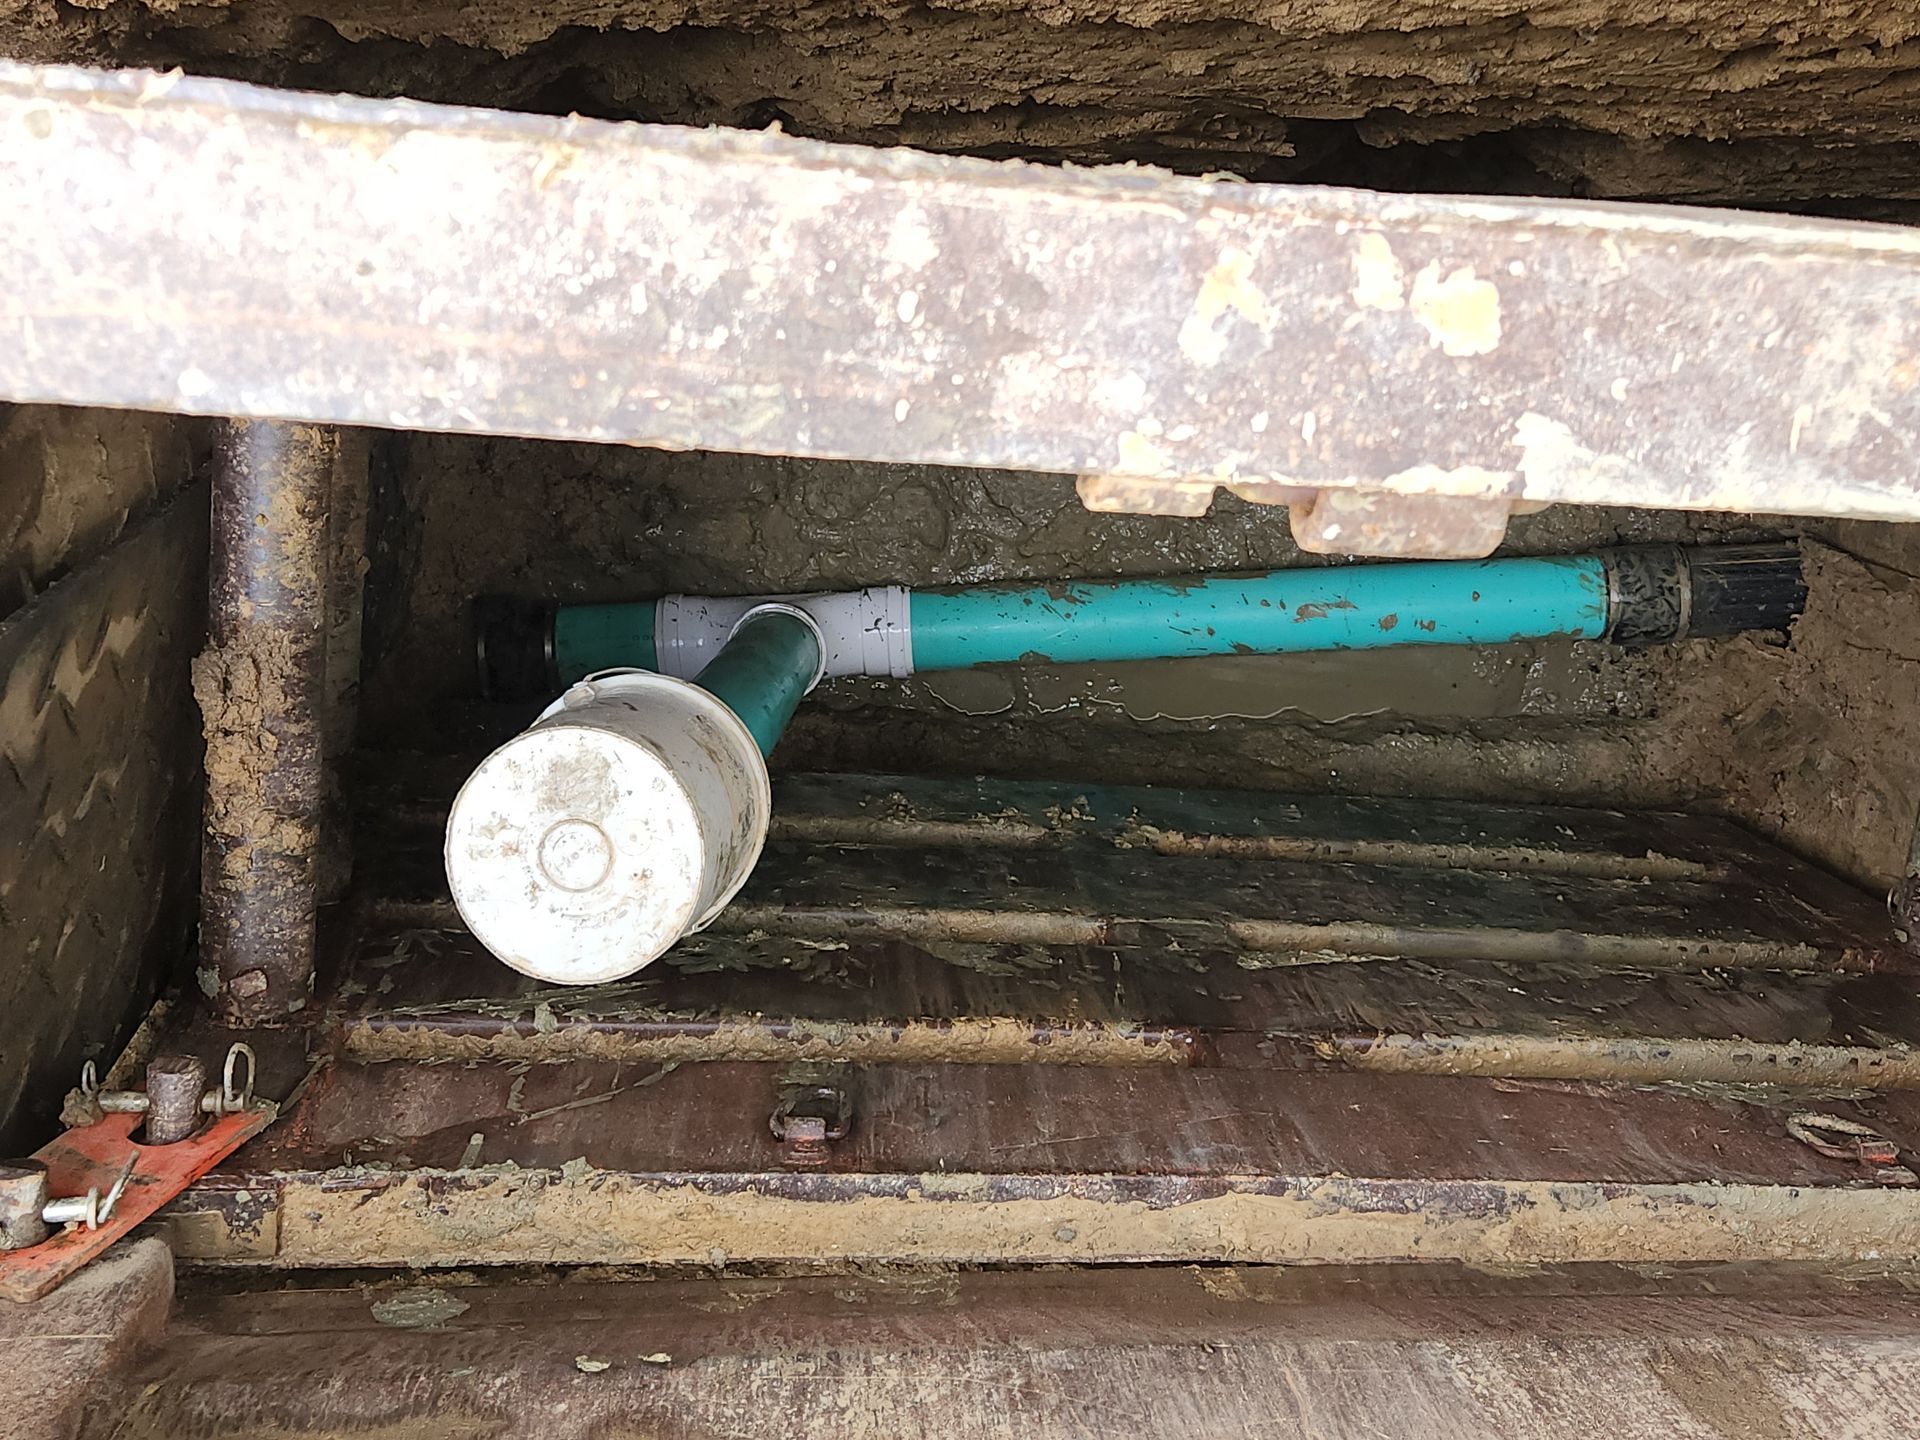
(627, 816)
(862, 632)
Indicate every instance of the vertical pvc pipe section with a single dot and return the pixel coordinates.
(1346, 607)
(260, 686)
(765, 670)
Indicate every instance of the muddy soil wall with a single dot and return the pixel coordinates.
(1768, 102)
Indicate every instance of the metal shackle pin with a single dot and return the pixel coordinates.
(27, 1215)
(177, 1093)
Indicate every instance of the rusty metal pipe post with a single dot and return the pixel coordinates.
(260, 686)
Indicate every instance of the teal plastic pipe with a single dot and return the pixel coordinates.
(1336, 607)
(1344, 607)
(591, 638)
(763, 672)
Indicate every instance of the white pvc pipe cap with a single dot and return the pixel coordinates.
(583, 848)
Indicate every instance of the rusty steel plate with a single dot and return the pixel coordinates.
(215, 248)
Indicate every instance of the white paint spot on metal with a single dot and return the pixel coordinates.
(1618, 389)
(910, 242)
(1469, 481)
(1379, 283)
(1552, 458)
(1124, 393)
(1309, 423)
(1228, 287)
(900, 409)
(1258, 424)
(1461, 313)
(1140, 453)
(906, 306)
(1800, 418)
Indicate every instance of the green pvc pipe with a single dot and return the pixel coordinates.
(763, 672)
(1336, 607)
(591, 638)
(1345, 607)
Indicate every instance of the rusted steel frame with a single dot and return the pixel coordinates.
(456, 269)
(260, 689)
(494, 1216)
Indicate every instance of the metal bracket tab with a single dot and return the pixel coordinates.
(96, 1158)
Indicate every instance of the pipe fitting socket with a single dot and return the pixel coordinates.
(1661, 593)
(625, 818)
(780, 607)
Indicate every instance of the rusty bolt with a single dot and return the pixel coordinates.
(175, 1086)
(803, 1142)
(807, 1120)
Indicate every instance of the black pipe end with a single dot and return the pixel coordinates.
(513, 643)
(1660, 593)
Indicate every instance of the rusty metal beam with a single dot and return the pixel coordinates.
(596, 1162)
(351, 1217)
(213, 248)
(259, 685)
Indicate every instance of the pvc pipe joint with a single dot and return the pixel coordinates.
(624, 818)
(805, 617)
(862, 632)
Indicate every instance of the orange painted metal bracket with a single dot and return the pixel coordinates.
(96, 1156)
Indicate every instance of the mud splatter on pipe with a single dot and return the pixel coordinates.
(259, 685)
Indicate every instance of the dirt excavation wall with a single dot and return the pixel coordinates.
(1774, 101)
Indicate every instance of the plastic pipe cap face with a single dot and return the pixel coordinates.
(575, 854)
